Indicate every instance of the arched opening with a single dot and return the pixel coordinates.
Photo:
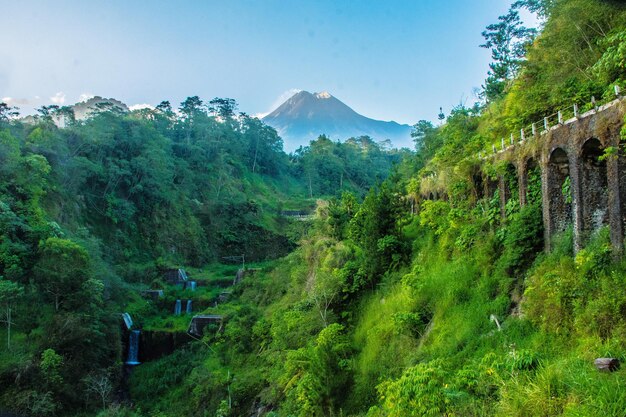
(559, 192)
(479, 186)
(511, 186)
(533, 182)
(491, 186)
(508, 190)
(431, 196)
(594, 186)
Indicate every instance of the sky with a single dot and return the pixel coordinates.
(388, 60)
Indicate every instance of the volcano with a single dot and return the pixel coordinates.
(305, 116)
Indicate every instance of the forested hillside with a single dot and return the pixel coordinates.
(411, 293)
(91, 211)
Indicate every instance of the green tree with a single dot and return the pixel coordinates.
(317, 374)
(50, 366)
(191, 110)
(375, 228)
(10, 293)
(507, 40)
(164, 116)
(46, 113)
(223, 107)
(611, 66)
(61, 271)
(191, 107)
(264, 146)
(420, 391)
(7, 113)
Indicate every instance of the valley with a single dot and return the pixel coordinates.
(193, 260)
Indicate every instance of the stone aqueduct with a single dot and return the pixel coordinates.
(583, 174)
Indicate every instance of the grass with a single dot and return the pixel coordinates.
(434, 315)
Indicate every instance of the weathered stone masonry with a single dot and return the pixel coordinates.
(583, 186)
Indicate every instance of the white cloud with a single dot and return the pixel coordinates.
(85, 97)
(260, 115)
(58, 98)
(280, 100)
(12, 101)
(141, 106)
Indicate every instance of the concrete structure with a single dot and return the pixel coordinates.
(154, 295)
(175, 276)
(199, 322)
(583, 173)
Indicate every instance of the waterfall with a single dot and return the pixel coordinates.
(177, 308)
(127, 320)
(188, 307)
(183, 274)
(133, 348)
(192, 285)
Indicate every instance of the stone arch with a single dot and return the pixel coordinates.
(508, 187)
(559, 192)
(511, 183)
(594, 187)
(530, 182)
(491, 185)
(479, 184)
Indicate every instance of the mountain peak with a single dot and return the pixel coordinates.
(323, 94)
(305, 116)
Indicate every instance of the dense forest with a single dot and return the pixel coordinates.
(93, 209)
(385, 303)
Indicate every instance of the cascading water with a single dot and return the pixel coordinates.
(133, 348)
(192, 285)
(127, 320)
(188, 307)
(183, 274)
(177, 308)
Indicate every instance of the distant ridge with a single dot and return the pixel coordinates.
(305, 116)
(87, 108)
(84, 110)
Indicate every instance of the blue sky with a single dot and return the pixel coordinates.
(389, 60)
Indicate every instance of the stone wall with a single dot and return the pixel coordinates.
(583, 186)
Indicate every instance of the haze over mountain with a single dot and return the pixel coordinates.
(305, 116)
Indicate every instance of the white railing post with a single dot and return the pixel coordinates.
(560, 117)
(521, 134)
(533, 129)
(576, 110)
(545, 124)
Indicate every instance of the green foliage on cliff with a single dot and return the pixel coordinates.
(448, 307)
(390, 305)
(92, 212)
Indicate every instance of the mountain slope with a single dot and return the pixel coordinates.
(305, 116)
